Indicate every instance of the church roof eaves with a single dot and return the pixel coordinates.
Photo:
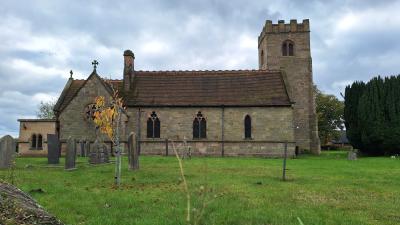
(36, 120)
(198, 88)
(208, 88)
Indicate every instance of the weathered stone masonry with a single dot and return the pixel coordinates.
(71, 115)
(297, 71)
(271, 127)
(278, 98)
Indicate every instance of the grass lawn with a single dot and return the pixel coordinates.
(327, 189)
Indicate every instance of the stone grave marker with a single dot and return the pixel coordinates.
(7, 151)
(352, 155)
(133, 153)
(98, 153)
(70, 157)
(87, 148)
(82, 149)
(53, 149)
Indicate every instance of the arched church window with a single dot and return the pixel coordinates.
(33, 141)
(288, 48)
(39, 141)
(153, 126)
(199, 126)
(247, 127)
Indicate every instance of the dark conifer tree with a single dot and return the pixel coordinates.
(352, 96)
(372, 115)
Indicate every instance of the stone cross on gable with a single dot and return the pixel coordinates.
(95, 63)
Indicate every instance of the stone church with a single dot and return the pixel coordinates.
(217, 112)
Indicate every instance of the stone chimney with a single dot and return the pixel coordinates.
(129, 59)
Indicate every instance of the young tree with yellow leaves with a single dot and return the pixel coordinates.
(107, 118)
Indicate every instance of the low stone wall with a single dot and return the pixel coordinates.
(202, 148)
(109, 147)
(24, 150)
(215, 148)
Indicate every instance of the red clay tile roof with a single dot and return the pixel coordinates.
(208, 88)
(197, 88)
(67, 94)
(73, 87)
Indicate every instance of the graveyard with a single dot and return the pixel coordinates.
(200, 112)
(326, 189)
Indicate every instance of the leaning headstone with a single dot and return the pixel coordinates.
(53, 149)
(133, 154)
(187, 151)
(352, 155)
(98, 153)
(7, 151)
(105, 154)
(71, 154)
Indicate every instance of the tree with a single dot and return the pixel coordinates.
(45, 110)
(107, 118)
(372, 115)
(330, 116)
(352, 96)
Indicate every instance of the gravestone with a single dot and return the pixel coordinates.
(98, 153)
(87, 148)
(187, 151)
(133, 153)
(71, 154)
(7, 151)
(83, 150)
(53, 149)
(352, 155)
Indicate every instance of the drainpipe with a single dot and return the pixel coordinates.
(139, 113)
(222, 131)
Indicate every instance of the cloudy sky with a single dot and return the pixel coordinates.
(41, 41)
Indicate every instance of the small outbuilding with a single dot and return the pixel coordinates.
(32, 139)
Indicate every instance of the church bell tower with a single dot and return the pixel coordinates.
(286, 47)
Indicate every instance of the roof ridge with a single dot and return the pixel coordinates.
(209, 71)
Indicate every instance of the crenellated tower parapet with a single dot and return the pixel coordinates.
(282, 27)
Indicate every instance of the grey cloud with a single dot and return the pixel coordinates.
(166, 35)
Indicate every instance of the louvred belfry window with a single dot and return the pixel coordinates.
(288, 48)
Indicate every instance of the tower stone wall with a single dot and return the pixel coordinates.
(297, 70)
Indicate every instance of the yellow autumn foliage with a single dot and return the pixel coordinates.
(105, 116)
